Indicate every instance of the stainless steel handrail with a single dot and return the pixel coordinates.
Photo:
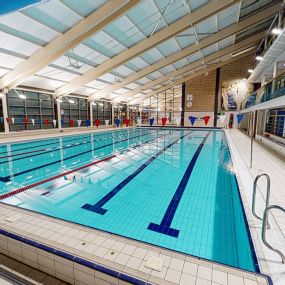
(263, 234)
(254, 194)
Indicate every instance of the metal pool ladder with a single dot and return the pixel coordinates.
(254, 194)
(264, 228)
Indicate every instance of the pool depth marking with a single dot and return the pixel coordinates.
(7, 178)
(97, 208)
(164, 226)
(12, 193)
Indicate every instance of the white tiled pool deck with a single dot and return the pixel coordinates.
(264, 161)
(129, 257)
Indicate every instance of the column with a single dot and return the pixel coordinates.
(141, 110)
(275, 73)
(5, 111)
(217, 93)
(91, 113)
(183, 99)
(113, 123)
(58, 114)
(128, 112)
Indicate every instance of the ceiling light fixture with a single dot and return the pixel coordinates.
(259, 58)
(22, 96)
(71, 101)
(250, 70)
(276, 31)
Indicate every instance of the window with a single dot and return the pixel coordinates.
(37, 107)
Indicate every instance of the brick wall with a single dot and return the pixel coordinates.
(203, 87)
(203, 90)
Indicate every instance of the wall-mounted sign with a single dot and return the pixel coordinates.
(189, 102)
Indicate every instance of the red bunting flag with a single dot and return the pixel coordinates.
(97, 123)
(7, 120)
(71, 123)
(206, 119)
(164, 121)
(26, 121)
(127, 122)
(46, 122)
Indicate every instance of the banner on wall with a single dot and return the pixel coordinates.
(206, 119)
(127, 122)
(163, 120)
(13, 121)
(107, 122)
(97, 123)
(54, 123)
(139, 122)
(78, 123)
(189, 102)
(151, 121)
(88, 123)
(222, 119)
(117, 122)
(46, 122)
(192, 120)
(239, 118)
(234, 92)
(71, 123)
(1, 120)
(33, 121)
(26, 121)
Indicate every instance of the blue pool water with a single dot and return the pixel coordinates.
(169, 187)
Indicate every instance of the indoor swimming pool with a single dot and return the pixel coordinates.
(174, 188)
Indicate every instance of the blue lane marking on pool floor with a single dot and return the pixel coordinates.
(97, 208)
(7, 178)
(164, 226)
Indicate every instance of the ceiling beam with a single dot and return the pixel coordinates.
(173, 29)
(249, 42)
(74, 36)
(226, 32)
(194, 75)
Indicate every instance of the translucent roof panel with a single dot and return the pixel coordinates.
(186, 38)
(26, 27)
(9, 61)
(17, 45)
(228, 16)
(124, 31)
(105, 44)
(84, 10)
(54, 14)
(207, 26)
(151, 56)
(146, 16)
(168, 47)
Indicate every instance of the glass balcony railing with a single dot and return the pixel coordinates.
(272, 90)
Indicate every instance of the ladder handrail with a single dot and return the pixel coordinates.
(264, 227)
(254, 193)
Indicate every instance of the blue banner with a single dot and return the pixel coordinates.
(239, 118)
(192, 120)
(87, 123)
(1, 120)
(117, 122)
(151, 121)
